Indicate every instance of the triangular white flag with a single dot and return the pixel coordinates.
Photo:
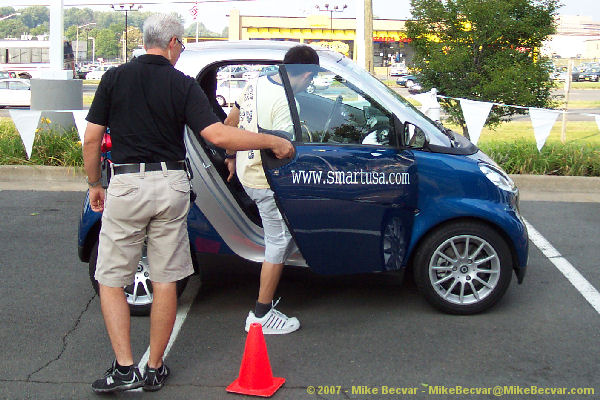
(475, 114)
(424, 99)
(80, 122)
(542, 120)
(597, 117)
(26, 122)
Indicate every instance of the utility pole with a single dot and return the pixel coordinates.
(563, 133)
(368, 38)
(363, 40)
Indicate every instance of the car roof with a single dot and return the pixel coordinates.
(198, 55)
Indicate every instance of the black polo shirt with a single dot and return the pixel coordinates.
(146, 103)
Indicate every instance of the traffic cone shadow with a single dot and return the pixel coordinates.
(256, 377)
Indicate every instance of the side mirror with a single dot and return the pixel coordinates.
(413, 136)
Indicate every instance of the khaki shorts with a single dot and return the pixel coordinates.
(153, 204)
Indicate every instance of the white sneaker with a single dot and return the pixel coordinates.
(274, 323)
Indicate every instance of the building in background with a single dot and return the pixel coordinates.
(390, 43)
(576, 37)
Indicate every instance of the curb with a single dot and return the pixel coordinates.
(532, 187)
(43, 178)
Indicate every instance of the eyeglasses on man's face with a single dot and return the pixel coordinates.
(182, 46)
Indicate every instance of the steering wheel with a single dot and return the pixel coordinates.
(334, 109)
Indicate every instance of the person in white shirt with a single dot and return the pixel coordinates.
(263, 105)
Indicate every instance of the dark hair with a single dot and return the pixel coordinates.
(301, 54)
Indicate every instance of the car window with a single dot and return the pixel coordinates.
(332, 110)
(17, 86)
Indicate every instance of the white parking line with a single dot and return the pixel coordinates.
(565, 267)
(185, 303)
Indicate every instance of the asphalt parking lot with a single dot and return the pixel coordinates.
(359, 333)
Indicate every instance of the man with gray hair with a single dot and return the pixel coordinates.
(146, 103)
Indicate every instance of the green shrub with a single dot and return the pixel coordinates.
(51, 147)
(522, 157)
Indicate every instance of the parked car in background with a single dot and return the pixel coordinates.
(320, 82)
(97, 73)
(374, 186)
(589, 74)
(15, 92)
(229, 90)
(398, 69)
(407, 80)
(231, 72)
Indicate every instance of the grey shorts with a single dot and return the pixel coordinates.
(153, 205)
(278, 240)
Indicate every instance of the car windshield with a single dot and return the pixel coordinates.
(406, 112)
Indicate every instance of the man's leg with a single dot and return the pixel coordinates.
(269, 279)
(162, 318)
(116, 317)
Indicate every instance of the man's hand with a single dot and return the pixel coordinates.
(230, 162)
(97, 198)
(282, 148)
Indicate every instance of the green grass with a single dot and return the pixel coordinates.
(522, 157)
(51, 147)
(578, 132)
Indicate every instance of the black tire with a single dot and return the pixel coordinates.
(459, 282)
(221, 101)
(143, 303)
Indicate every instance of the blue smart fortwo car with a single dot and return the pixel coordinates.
(374, 186)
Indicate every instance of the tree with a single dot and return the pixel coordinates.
(107, 44)
(12, 28)
(34, 16)
(484, 50)
(203, 31)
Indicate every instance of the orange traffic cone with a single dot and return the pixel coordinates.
(256, 377)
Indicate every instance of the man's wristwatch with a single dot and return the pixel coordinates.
(92, 184)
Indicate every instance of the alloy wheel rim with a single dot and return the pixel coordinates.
(464, 269)
(140, 292)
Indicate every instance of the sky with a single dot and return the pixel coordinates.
(213, 13)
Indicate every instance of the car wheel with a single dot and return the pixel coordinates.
(463, 268)
(310, 88)
(409, 83)
(221, 100)
(139, 294)
(393, 244)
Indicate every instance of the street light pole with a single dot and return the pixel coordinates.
(77, 40)
(126, 8)
(331, 9)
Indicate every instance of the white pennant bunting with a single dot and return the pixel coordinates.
(422, 98)
(80, 122)
(475, 114)
(542, 120)
(26, 122)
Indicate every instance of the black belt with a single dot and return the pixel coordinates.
(156, 166)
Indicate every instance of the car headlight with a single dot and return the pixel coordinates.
(498, 177)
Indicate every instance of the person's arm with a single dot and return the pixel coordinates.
(228, 137)
(91, 163)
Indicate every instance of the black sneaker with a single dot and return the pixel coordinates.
(155, 378)
(115, 381)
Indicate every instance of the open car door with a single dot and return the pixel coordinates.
(349, 194)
